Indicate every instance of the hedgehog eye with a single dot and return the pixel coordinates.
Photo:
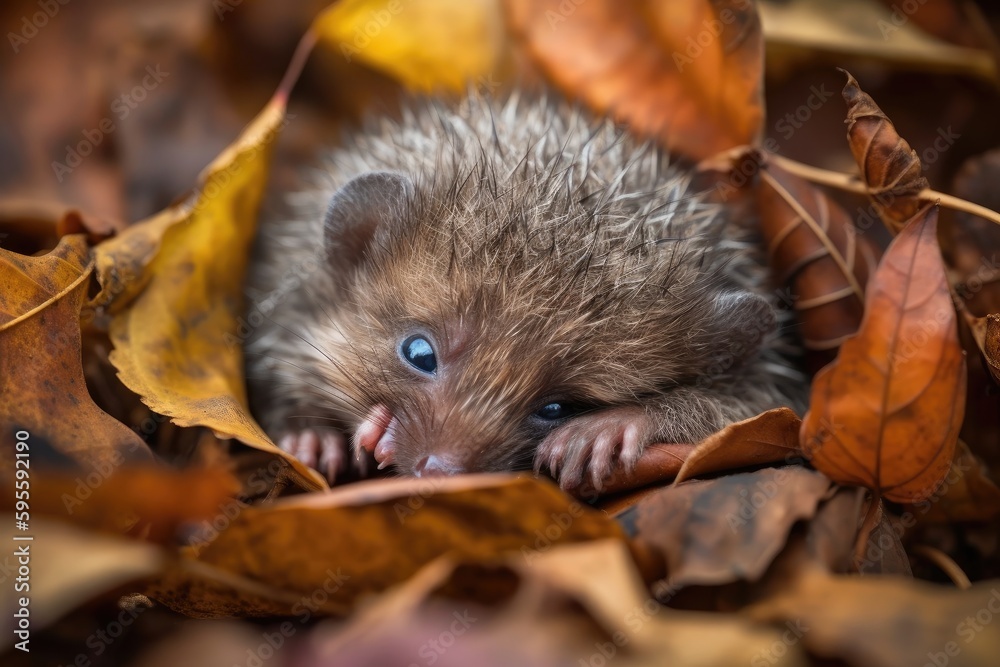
(418, 352)
(553, 411)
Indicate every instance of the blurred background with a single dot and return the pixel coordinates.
(153, 90)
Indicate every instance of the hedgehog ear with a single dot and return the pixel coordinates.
(358, 210)
(744, 320)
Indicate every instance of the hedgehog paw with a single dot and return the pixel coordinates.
(323, 449)
(592, 446)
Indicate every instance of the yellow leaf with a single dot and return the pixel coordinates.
(425, 45)
(175, 283)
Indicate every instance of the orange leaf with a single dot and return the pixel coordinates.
(769, 437)
(889, 167)
(687, 73)
(886, 413)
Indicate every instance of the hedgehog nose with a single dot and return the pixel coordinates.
(436, 466)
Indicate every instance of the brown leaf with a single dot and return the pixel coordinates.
(574, 600)
(688, 74)
(889, 167)
(967, 494)
(888, 621)
(45, 399)
(817, 254)
(367, 537)
(991, 345)
(886, 413)
(769, 437)
(829, 540)
(971, 245)
(727, 529)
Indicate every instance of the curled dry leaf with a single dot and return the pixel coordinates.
(426, 45)
(686, 73)
(822, 261)
(44, 394)
(369, 536)
(769, 437)
(889, 167)
(727, 529)
(886, 413)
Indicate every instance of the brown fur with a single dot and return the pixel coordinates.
(547, 258)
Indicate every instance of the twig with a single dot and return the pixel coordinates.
(849, 183)
(946, 564)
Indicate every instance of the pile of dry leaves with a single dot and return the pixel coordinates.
(139, 493)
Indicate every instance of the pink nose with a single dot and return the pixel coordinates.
(436, 466)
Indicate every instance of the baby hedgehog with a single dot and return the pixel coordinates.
(501, 286)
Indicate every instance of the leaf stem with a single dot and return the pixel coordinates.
(849, 183)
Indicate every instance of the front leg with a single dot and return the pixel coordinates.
(593, 446)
